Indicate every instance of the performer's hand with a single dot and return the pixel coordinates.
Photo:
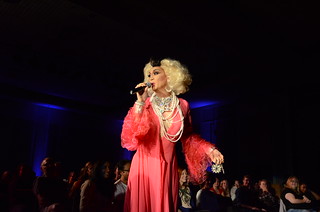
(142, 96)
(216, 156)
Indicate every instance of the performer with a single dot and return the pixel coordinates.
(154, 124)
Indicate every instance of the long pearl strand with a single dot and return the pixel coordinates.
(165, 122)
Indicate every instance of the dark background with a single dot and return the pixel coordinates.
(66, 68)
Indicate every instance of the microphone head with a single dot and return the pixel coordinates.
(148, 84)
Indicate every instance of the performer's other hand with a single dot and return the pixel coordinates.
(216, 156)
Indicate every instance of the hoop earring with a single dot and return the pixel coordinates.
(168, 90)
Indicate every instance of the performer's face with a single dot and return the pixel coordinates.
(158, 79)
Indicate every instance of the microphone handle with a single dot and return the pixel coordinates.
(134, 91)
(137, 90)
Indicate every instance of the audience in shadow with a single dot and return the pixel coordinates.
(50, 189)
(97, 192)
(247, 199)
(98, 189)
(207, 200)
(21, 194)
(310, 194)
(74, 192)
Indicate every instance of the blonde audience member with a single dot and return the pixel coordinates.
(293, 200)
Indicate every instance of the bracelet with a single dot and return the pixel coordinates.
(139, 103)
(212, 148)
(139, 106)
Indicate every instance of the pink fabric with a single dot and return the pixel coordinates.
(153, 179)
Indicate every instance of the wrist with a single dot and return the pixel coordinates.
(139, 105)
(138, 102)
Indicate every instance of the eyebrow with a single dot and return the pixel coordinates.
(157, 69)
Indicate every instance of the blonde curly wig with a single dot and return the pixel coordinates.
(177, 74)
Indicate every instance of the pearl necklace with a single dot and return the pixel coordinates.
(171, 105)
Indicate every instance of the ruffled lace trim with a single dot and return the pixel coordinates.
(196, 149)
(134, 128)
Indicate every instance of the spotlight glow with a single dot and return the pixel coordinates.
(50, 106)
(197, 104)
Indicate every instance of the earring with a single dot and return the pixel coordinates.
(168, 90)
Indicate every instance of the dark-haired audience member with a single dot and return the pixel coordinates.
(246, 197)
(207, 200)
(186, 200)
(294, 200)
(267, 196)
(74, 192)
(121, 184)
(216, 186)
(313, 196)
(50, 190)
(97, 192)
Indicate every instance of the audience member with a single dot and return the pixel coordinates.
(121, 184)
(207, 200)
(294, 200)
(313, 196)
(50, 190)
(224, 185)
(216, 186)
(246, 197)
(267, 196)
(74, 192)
(233, 189)
(225, 199)
(72, 177)
(97, 192)
(22, 198)
(186, 192)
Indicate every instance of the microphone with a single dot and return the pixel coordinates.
(137, 90)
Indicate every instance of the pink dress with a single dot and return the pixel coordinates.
(153, 179)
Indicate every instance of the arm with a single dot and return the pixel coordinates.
(199, 153)
(135, 126)
(316, 196)
(291, 198)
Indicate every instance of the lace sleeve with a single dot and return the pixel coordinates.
(134, 128)
(196, 154)
(195, 148)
